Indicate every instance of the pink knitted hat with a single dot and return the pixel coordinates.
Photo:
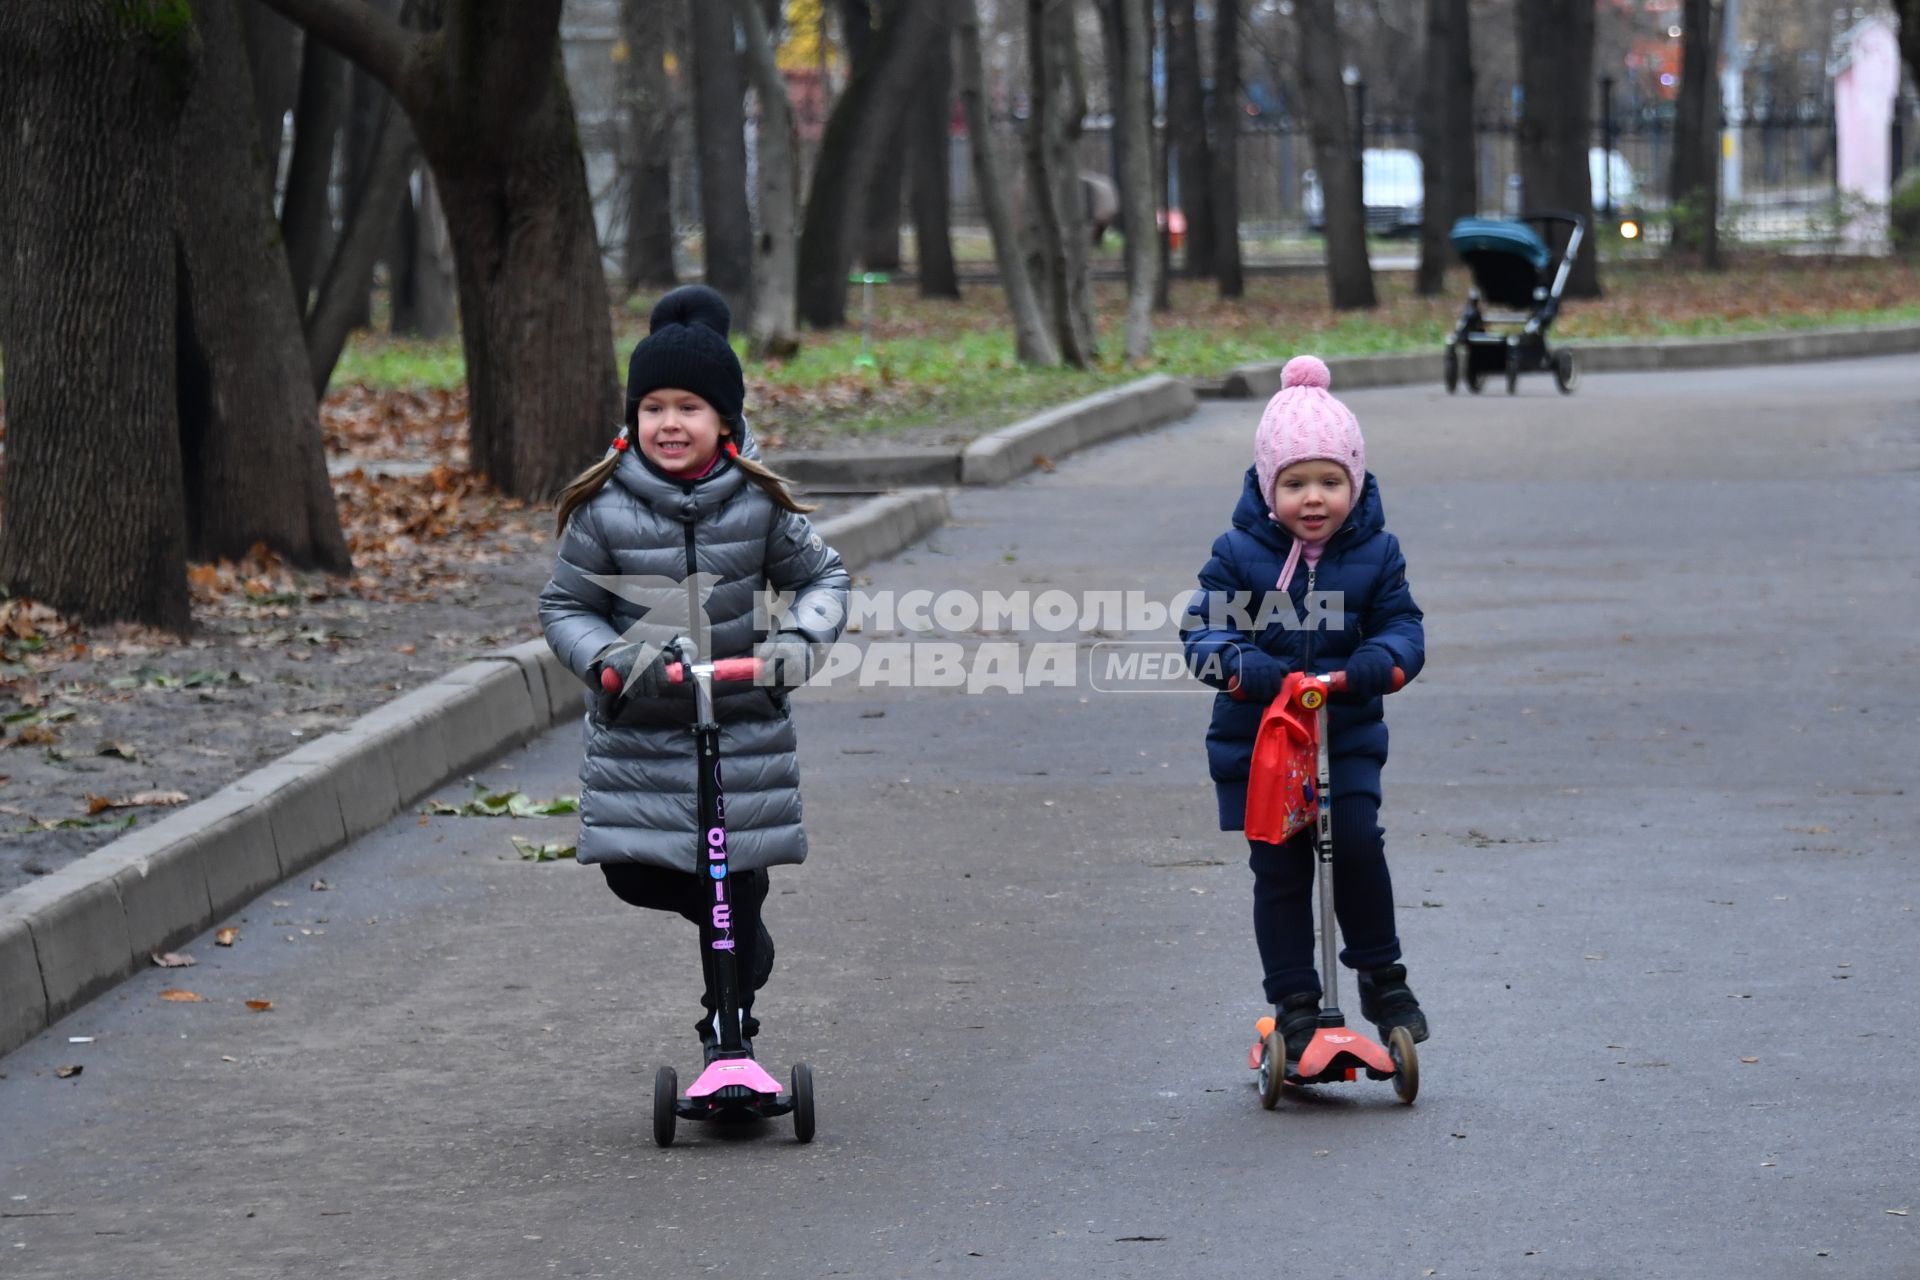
(1303, 421)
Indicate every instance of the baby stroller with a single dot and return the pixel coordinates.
(1513, 269)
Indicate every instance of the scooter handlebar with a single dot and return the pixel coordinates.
(725, 671)
(1316, 690)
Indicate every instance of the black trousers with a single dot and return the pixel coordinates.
(1284, 894)
(691, 897)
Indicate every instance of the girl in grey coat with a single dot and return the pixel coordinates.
(681, 498)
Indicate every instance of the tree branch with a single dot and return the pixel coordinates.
(384, 48)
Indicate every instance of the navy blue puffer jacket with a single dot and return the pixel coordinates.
(1238, 625)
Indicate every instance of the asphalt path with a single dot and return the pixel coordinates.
(1650, 813)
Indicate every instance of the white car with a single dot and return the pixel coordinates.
(1392, 187)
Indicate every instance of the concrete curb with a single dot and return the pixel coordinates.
(1350, 373)
(70, 936)
(1137, 406)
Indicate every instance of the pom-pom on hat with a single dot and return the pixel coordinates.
(686, 348)
(1303, 422)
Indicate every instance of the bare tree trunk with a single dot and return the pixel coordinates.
(273, 56)
(1556, 121)
(1226, 150)
(851, 154)
(1695, 175)
(488, 98)
(776, 326)
(1908, 11)
(646, 167)
(1136, 35)
(719, 130)
(91, 493)
(1317, 44)
(255, 467)
(339, 306)
(1053, 176)
(1446, 137)
(423, 291)
(306, 217)
(1187, 134)
(930, 148)
(1033, 344)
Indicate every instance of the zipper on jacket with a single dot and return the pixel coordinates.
(693, 586)
(1306, 602)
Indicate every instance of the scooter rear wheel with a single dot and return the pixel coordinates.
(801, 1084)
(666, 1097)
(1406, 1064)
(1273, 1069)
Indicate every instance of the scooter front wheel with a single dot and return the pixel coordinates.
(1406, 1064)
(666, 1099)
(1273, 1069)
(801, 1083)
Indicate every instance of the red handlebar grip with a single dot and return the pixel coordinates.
(1337, 681)
(725, 671)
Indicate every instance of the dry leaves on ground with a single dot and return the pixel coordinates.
(177, 995)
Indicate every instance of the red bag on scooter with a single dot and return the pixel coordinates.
(1282, 784)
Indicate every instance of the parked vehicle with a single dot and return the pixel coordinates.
(1392, 187)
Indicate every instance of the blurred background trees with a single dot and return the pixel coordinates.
(516, 169)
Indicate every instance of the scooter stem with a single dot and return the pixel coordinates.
(1323, 871)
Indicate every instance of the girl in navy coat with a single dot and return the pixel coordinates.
(1309, 579)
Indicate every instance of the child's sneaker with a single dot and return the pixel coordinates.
(1296, 1017)
(709, 1029)
(1387, 1002)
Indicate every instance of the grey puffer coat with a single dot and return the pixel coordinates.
(637, 801)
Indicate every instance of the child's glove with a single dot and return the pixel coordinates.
(1369, 672)
(787, 661)
(1259, 677)
(650, 681)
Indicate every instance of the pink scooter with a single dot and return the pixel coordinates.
(1336, 1054)
(733, 1087)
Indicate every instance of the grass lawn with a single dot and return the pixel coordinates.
(946, 372)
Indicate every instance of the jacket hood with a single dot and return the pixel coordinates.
(1250, 515)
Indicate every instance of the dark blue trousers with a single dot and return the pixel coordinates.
(1284, 898)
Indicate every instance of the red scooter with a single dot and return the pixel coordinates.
(1295, 778)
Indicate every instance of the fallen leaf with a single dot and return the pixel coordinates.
(227, 936)
(1898, 1213)
(154, 797)
(124, 750)
(178, 996)
(1749, 1059)
(320, 886)
(173, 960)
(68, 1073)
(552, 852)
(98, 804)
(259, 1006)
(1043, 462)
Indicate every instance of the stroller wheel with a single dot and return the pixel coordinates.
(1452, 371)
(1565, 375)
(1513, 370)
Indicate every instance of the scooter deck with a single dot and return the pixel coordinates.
(733, 1089)
(1336, 1055)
